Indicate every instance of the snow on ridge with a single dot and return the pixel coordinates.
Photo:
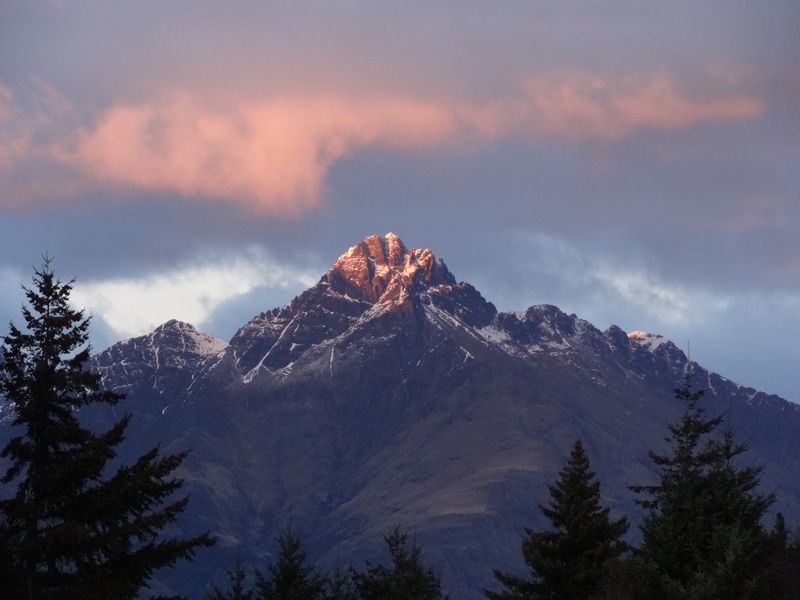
(496, 336)
(651, 341)
(492, 333)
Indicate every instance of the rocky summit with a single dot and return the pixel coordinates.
(390, 393)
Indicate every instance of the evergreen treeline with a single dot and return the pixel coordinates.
(703, 536)
(292, 577)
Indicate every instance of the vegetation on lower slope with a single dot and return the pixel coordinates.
(703, 537)
(292, 577)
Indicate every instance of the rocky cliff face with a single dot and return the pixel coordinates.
(389, 392)
(163, 360)
(382, 271)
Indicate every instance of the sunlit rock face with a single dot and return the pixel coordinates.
(380, 269)
(390, 392)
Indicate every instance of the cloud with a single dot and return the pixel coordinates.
(134, 306)
(273, 154)
(12, 142)
(6, 98)
(33, 124)
(666, 301)
(602, 286)
(11, 294)
(581, 105)
(731, 73)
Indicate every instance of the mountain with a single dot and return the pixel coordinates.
(163, 360)
(389, 392)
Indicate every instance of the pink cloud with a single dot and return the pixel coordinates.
(274, 154)
(581, 105)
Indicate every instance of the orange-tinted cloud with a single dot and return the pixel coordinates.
(585, 106)
(274, 154)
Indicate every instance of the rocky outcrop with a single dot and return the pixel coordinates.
(381, 270)
(163, 360)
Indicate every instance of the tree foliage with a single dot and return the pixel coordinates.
(290, 576)
(703, 529)
(407, 576)
(74, 527)
(780, 578)
(238, 588)
(339, 585)
(569, 561)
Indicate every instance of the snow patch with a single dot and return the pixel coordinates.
(467, 355)
(650, 341)
(494, 335)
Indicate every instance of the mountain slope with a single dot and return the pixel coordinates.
(390, 392)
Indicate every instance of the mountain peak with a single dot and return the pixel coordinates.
(382, 270)
(185, 337)
(175, 325)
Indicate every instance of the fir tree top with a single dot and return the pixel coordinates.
(569, 561)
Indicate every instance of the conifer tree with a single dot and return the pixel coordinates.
(569, 562)
(406, 578)
(237, 586)
(339, 586)
(290, 577)
(73, 527)
(781, 571)
(703, 529)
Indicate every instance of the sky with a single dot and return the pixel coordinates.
(634, 162)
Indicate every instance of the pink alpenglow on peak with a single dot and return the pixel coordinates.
(638, 335)
(382, 270)
(649, 340)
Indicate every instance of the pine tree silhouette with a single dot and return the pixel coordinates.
(290, 577)
(74, 527)
(703, 531)
(569, 562)
(406, 578)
